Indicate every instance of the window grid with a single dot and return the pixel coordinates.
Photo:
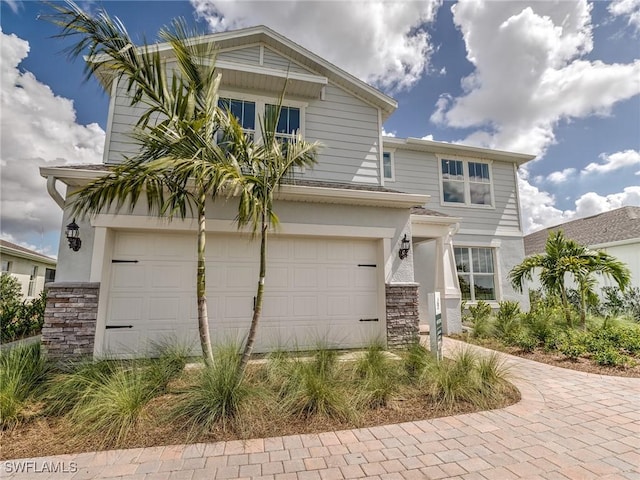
(476, 273)
(466, 182)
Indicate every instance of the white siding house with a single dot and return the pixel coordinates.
(335, 274)
(31, 269)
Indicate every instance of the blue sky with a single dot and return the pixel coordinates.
(560, 80)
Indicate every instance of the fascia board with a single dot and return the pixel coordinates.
(456, 149)
(297, 193)
(20, 254)
(435, 220)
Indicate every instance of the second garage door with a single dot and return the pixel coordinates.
(318, 290)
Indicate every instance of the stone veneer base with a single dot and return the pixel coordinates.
(402, 314)
(70, 320)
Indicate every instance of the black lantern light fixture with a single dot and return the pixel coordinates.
(405, 245)
(73, 235)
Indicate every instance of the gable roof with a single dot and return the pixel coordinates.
(264, 35)
(607, 227)
(20, 251)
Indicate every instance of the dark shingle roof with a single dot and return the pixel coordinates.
(22, 249)
(606, 227)
(426, 211)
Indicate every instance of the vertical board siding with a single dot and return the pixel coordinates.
(418, 172)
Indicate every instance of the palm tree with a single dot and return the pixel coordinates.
(564, 256)
(179, 165)
(267, 162)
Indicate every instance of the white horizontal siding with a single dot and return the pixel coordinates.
(417, 172)
(274, 60)
(249, 55)
(347, 128)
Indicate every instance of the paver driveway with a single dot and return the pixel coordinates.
(568, 425)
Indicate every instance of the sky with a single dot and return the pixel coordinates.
(556, 79)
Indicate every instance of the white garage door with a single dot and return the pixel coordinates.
(317, 290)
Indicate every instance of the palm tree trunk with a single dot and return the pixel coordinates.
(565, 306)
(203, 317)
(251, 338)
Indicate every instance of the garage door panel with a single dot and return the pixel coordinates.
(314, 292)
(128, 276)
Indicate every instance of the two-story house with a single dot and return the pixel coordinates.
(339, 271)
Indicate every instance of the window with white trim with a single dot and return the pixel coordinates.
(6, 266)
(243, 110)
(466, 182)
(476, 273)
(288, 121)
(387, 166)
(33, 278)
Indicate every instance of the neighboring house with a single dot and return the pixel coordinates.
(616, 232)
(335, 273)
(32, 269)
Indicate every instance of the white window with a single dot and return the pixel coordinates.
(388, 168)
(466, 182)
(6, 266)
(243, 110)
(32, 281)
(288, 121)
(476, 273)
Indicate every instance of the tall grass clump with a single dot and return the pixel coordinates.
(416, 360)
(216, 395)
(314, 387)
(23, 370)
(113, 403)
(377, 375)
(467, 377)
(171, 358)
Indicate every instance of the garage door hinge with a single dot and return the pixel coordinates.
(367, 265)
(124, 261)
(368, 319)
(110, 327)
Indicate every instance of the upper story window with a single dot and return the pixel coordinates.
(288, 120)
(476, 273)
(387, 166)
(466, 182)
(243, 110)
(6, 266)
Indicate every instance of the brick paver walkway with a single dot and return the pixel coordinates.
(569, 425)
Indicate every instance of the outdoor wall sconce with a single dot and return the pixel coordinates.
(73, 235)
(405, 245)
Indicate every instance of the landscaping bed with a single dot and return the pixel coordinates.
(282, 396)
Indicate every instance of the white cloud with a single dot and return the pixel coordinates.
(613, 162)
(627, 8)
(529, 74)
(561, 176)
(383, 43)
(388, 134)
(428, 137)
(37, 128)
(592, 203)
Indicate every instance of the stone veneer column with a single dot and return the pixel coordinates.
(70, 320)
(402, 314)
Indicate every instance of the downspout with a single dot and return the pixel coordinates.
(53, 193)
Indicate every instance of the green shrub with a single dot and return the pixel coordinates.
(609, 356)
(19, 318)
(493, 375)
(525, 341)
(507, 322)
(480, 318)
(23, 370)
(540, 323)
(217, 394)
(573, 345)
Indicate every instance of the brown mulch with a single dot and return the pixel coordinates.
(582, 364)
(42, 436)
